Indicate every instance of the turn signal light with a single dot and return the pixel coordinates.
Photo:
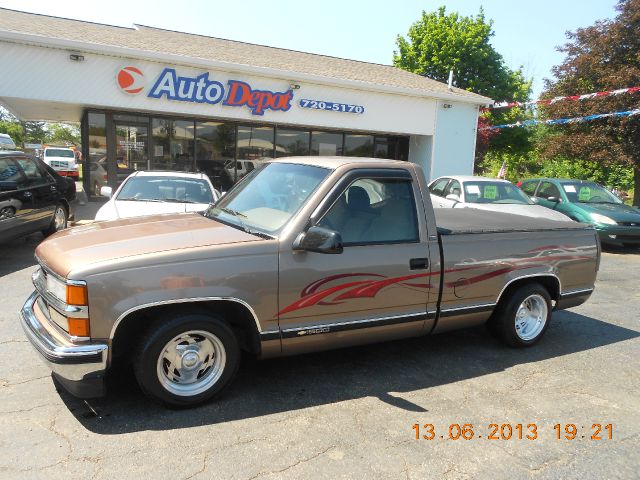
(79, 327)
(77, 295)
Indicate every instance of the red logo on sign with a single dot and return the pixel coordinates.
(130, 80)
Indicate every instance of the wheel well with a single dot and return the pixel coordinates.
(134, 325)
(549, 282)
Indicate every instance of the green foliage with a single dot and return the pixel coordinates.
(63, 134)
(521, 166)
(14, 130)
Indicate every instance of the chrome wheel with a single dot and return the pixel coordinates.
(531, 317)
(191, 363)
(59, 219)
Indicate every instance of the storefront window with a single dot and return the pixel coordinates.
(392, 147)
(358, 145)
(290, 142)
(97, 153)
(254, 145)
(182, 136)
(326, 143)
(215, 152)
(161, 152)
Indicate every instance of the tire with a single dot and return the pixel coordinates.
(58, 222)
(187, 359)
(521, 319)
(7, 212)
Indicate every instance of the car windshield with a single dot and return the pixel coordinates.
(588, 192)
(166, 189)
(58, 152)
(265, 200)
(6, 141)
(494, 192)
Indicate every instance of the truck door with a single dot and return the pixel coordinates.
(378, 287)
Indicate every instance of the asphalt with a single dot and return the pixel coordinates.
(348, 413)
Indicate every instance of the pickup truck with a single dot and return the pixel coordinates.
(303, 254)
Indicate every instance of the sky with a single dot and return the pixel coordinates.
(526, 33)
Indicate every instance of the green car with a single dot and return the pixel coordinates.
(587, 202)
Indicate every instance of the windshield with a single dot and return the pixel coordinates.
(588, 192)
(267, 198)
(494, 192)
(6, 141)
(166, 189)
(58, 152)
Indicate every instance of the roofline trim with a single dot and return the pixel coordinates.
(174, 59)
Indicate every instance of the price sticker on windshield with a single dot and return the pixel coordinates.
(490, 192)
(584, 195)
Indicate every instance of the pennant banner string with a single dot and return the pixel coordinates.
(550, 101)
(562, 121)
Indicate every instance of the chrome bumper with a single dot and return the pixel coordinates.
(70, 362)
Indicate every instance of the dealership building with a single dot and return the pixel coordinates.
(153, 99)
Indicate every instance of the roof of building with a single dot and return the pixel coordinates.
(191, 46)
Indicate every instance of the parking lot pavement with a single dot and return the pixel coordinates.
(349, 413)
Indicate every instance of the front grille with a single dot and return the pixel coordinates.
(59, 164)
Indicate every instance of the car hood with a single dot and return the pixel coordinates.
(536, 211)
(115, 209)
(104, 241)
(618, 212)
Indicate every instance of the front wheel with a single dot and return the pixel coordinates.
(522, 319)
(58, 222)
(187, 359)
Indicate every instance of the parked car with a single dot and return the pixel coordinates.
(297, 257)
(587, 202)
(62, 160)
(486, 194)
(6, 142)
(33, 197)
(149, 193)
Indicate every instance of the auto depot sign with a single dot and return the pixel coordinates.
(202, 89)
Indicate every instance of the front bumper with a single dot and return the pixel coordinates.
(79, 367)
(619, 234)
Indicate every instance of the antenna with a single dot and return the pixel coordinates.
(450, 83)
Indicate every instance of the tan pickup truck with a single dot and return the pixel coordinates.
(303, 254)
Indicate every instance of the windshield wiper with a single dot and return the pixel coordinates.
(177, 200)
(235, 213)
(243, 225)
(132, 199)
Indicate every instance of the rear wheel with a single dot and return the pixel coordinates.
(187, 359)
(58, 222)
(522, 319)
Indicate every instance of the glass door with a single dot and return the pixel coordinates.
(132, 152)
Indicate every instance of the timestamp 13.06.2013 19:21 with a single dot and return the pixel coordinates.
(513, 431)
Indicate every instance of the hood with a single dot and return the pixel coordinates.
(616, 211)
(103, 241)
(116, 209)
(536, 211)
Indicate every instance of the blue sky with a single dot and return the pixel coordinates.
(526, 33)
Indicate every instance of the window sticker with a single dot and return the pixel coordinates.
(584, 195)
(569, 188)
(473, 189)
(490, 192)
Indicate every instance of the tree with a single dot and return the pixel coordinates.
(440, 42)
(63, 134)
(604, 56)
(14, 130)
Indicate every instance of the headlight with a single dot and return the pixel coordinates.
(57, 288)
(596, 217)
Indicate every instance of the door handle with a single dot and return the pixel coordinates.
(27, 193)
(418, 263)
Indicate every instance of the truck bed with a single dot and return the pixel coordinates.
(456, 221)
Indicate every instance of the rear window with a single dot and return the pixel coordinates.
(59, 152)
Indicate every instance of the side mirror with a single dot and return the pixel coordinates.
(8, 185)
(319, 240)
(453, 197)
(222, 194)
(554, 199)
(106, 192)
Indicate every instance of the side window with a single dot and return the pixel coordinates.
(9, 171)
(438, 187)
(529, 188)
(548, 189)
(453, 188)
(34, 175)
(372, 211)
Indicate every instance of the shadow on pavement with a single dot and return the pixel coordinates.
(18, 254)
(289, 384)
